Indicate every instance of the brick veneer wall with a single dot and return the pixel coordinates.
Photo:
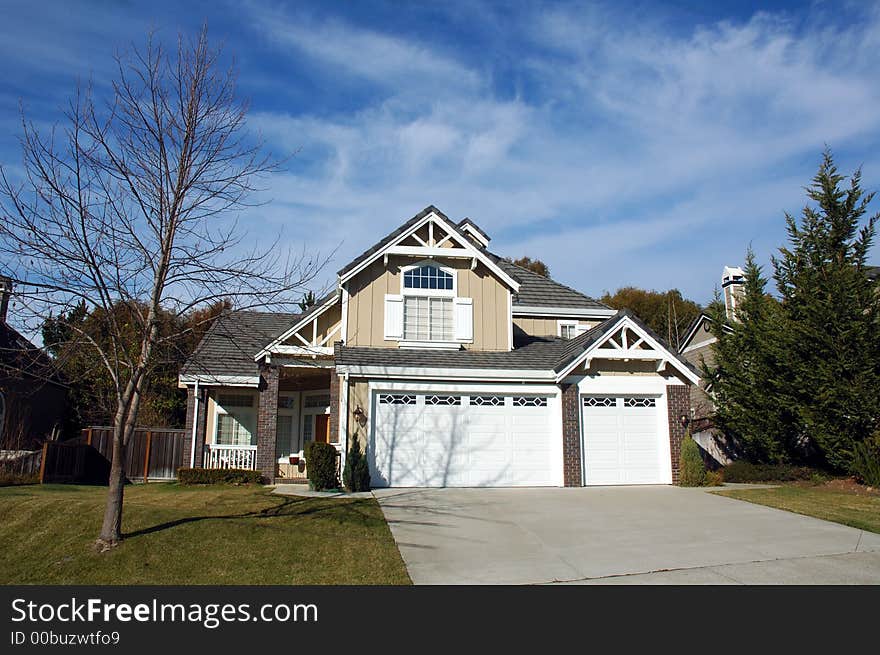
(200, 427)
(333, 427)
(267, 417)
(678, 403)
(571, 437)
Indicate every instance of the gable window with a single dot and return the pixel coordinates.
(428, 277)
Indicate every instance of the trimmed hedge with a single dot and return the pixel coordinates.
(742, 471)
(217, 476)
(321, 466)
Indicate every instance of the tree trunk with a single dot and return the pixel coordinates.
(111, 529)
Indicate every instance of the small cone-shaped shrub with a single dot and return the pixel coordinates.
(692, 472)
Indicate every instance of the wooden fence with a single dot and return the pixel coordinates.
(152, 453)
(20, 462)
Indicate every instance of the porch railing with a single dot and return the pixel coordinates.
(230, 457)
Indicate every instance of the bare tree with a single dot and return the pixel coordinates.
(133, 204)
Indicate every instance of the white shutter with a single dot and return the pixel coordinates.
(393, 317)
(463, 316)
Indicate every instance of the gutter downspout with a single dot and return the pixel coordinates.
(192, 449)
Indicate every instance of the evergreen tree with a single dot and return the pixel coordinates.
(832, 313)
(749, 380)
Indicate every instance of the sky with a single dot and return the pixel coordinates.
(645, 144)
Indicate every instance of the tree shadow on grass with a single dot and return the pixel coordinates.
(285, 507)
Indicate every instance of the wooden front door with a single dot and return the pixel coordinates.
(322, 428)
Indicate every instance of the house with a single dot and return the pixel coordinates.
(451, 366)
(33, 399)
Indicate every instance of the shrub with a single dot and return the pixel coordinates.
(692, 472)
(321, 466)
(356, 475)
(866, 461)
(217, 476)
(714, 478)
(743, 471)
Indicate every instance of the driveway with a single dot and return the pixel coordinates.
(650, 535)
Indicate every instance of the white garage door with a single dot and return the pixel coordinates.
(622, 441)
(462, 440)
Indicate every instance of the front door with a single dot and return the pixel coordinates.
(322, 428)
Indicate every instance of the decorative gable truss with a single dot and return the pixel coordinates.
(312, 336)
(628, 341)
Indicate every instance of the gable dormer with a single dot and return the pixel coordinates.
(427, 285)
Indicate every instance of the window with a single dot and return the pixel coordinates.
(635, 401)
(427, 319)
(530, 401)
(397, 399)
(443, 400)
(320, 400)
(236, 420)
(491, 401)
(567, 329)
(599, 401)
(428, 277)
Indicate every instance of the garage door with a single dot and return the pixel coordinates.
(462, 440)
(622, 441)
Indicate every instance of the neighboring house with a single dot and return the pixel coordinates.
(33, 400)
(452, 367)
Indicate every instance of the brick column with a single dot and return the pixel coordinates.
(333, 427)
(200, 426)
(571, 438)
(267, 416)
(678, 403)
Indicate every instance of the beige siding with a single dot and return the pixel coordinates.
(541, 326)
(366, 304)
(359, 396)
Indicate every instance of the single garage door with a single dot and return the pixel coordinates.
(622, 441)
(462, 440)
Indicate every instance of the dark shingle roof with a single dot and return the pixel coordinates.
(469, 221)
(229, 346)
(540, 354)
(538, 291)
(391, 237)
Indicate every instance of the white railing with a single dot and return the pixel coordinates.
(230, 457)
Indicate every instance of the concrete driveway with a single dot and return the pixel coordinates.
(630, 535)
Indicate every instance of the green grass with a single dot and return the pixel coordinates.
(194, 535)
(858, 511)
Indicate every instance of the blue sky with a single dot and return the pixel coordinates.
(622, 143)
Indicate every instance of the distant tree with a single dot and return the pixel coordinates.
(833, 315)
(748, 379)
(307, 301)
(668, 313)
(534, 265)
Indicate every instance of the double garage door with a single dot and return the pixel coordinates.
(623, 441)
(474, 439)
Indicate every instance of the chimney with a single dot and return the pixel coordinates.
(733, 280)
(5, 296)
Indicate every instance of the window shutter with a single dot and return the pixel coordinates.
(393, 317)
(463, 316)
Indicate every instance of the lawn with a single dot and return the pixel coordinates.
(857, 510)
(194, 535)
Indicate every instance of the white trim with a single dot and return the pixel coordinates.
(563, 312)
(708, 342)
(437, 252)
(403, 372)
(345, 297)
(220, 380)
(302, 351)
(470, 228)
(657, 352)
(192, 449)
(509, 319)
(297, 327)
(429, 345)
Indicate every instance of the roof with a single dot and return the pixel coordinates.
(20, 357)
(300, 320)
(540, 353)
(229, 346)
(539, 291)
(379, 245)
(469, 222)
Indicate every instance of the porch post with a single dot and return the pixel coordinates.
(267, 418)
(200, 425)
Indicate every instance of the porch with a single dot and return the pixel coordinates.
(269, 427)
